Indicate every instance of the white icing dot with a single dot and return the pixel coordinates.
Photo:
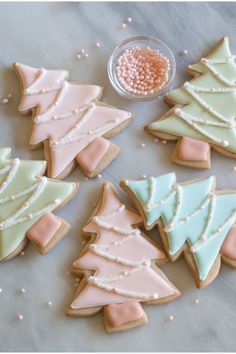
(124, 25)
(143, 145)
(234, 168)
(19, 317)
(4, 100)
(57, 201)
(164, 141)
(99, 176)
(171, 317)
(49, 303)
(86, 55)
(79, 56)
(196, 301)
(22, 290)
(82, 50)
(129, 19)
(30, 215)
(184, 52)
(0, 290)
(97, 44)
(144, 176)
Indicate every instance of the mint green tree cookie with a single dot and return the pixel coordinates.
(204, 110)
(26, 201)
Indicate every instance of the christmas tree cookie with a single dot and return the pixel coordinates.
(192, 218)
(27, 200)
(70, 121)
(204, 111)
(118, 267)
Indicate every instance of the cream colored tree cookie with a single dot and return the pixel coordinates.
(118, 268)
(204, 110)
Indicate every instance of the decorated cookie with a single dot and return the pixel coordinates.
(204, 111)
(118, 267)
(27, 200)
(192, 218)
(70, 121)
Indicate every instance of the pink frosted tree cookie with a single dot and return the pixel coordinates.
(118, 267)
(70, 121)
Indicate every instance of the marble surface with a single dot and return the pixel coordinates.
(50, 35)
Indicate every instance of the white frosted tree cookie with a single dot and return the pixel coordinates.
(204, 110)
(70, 121)
(27, 200)
(118, 267)
(192, 217)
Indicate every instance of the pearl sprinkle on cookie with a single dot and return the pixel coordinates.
(142, 71)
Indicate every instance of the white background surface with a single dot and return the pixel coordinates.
(50, 35)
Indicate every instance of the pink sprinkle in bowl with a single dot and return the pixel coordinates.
(140, 42)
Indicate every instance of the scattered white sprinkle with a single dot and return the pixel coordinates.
(124, 25)
(9, 95)
(22, 253)
(79, 56)
(82, 50)
(99, 176)
(129, 19)
(0, 290)
(171, 318)
(5, 100)
(19, 317)
(86, 55)
(143, 145)
(184, 52)
(156, 140)
(49, 303)
(22, 290)
(97, 44)
(144, 176)
(164, 141)
(196, 301)
(234, 168)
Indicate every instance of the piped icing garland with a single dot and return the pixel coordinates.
(25, 197)
(206, 110)
(67, 114)
(192, 213)
(122, 258)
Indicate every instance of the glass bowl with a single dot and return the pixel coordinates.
(141, 41)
